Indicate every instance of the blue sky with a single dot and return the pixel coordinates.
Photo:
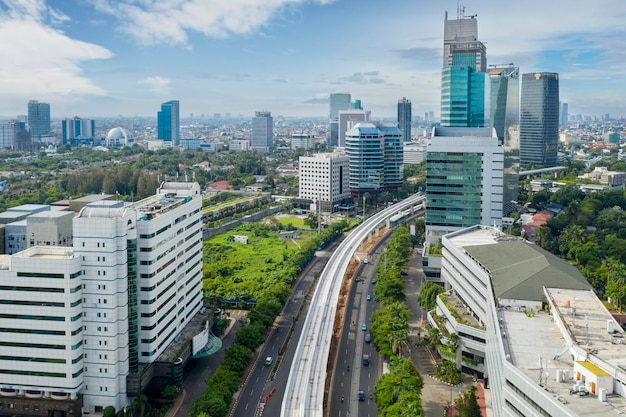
(92, 58)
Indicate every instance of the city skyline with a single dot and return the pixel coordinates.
(99, 58)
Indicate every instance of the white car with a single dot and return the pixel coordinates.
(268, 360)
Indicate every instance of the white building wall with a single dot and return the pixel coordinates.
(169, 251)
(101, 233)
(41, 297)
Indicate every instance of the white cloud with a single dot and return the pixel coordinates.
(169, 21)
(156, 84)
(40, 60)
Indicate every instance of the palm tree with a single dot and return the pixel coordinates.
(399, 340)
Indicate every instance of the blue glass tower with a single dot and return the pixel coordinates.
(168, 119)
(405, 118)
(463, 75)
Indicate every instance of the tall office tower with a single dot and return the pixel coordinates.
(563, 115)
(9, 132)
(539, 119)
(405, 118)
(347, 119)
(504, 116)
(375, 153)
(338, 101)
(168, 121)
(78, 131)
(356, 104)
(262, 131)
(324, 179)
(141, 282)
(463, 74)
(464, 185)
(38, 119)
(393, 144)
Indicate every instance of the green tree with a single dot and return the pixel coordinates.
(428, 295)
(109, 411)
(468, 404)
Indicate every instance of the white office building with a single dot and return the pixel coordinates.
(41, 331)
(324, 178)
(347, 120)
(121, 296)
(531, 325)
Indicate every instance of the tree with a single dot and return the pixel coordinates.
(109, 411)
(428, 295)
(468, 404)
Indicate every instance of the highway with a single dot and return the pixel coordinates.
(304, 392)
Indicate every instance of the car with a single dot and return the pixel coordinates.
(366, 261)
(359, 279)
(268, 360)
(404, 273)
(368, 338)
(374, 281)
(369, 297)
(361, 396)
(364, 327)
(366, 360)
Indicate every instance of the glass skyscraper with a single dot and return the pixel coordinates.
(539, 119)
(262, 131)
(38, 119)
(404, 118)
(463, 74)
(169, 122)
(504, 116)
(338, 102)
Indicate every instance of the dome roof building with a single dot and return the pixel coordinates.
(118, 136)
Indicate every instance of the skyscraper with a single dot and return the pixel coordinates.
(504, 116)
(338, 102)
(169, 122)
(464, 185)
(262, 135)
(347, 119)
(539, 119)
(38, 119)
(463, 74)
(564, 116)
(375, 153)
(405, 118)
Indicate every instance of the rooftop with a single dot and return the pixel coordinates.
(540, 353)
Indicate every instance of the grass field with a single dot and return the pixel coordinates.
(292, 220)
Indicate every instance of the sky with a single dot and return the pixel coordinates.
(106, 58)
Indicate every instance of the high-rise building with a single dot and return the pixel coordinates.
(262, 136)
(405, 118)
(563, 115)
(539, 119)
(375, 153)
(129, 285)
(463, 74)
(9, 132)
(324, 179)
(169, 123)
(338, 102)
(347, 119)
(38, 119)
(78, 131)
(504, 116)
(464, 185)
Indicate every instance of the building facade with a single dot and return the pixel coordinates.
(464, 180)
(375, 152)
(347, 119)
(9, 133)
(168, 123)
(463, 74)
(531, 326)
(324, 179)
(262, 138)
(101, 314)
(539, 119)
(337, 101)
(38, 119)
(504, 116)
(78, 131)
(405, 118)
